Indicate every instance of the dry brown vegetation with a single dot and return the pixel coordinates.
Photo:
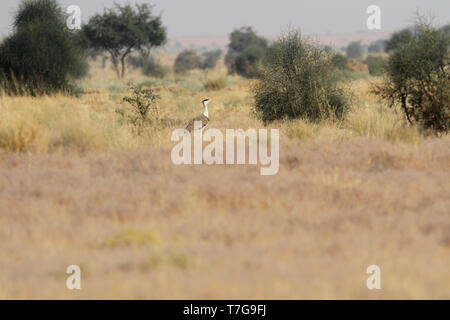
(78, 187)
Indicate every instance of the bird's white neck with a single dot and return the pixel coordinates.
(205, 105)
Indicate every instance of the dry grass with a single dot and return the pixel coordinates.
(83, 189)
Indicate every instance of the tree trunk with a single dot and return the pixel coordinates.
(122, 61)
(405, 108)
(115, 64)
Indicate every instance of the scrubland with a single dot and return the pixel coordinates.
(78, 186)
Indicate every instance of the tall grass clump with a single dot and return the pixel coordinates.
(59, 122)
(381, 122)
(297, 81)
(215, 84)
(18, 134)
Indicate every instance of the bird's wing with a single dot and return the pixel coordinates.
(202, 118)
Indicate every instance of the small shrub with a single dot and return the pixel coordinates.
(339, 61)
(354, 50)
(187, 60)
(215, 84)
(210, 59)
(145, 111)
(375, 64)
(297, 81)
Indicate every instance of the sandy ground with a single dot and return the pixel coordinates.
(141, 227)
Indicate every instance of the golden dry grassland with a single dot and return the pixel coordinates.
(77, 186)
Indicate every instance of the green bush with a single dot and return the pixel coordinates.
(339, 61)
(210, 59)
(187, 60)
(245, 52)
(377, 46)
(354, 50)
(150, 67)
(144, 111)
(297, 81)
(399, 38)
(376, 65)
(42, 55)
(417, 78)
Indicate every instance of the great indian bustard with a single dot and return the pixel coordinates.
(203, 118)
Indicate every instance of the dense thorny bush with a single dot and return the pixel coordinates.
(417, 78)
(42, 55)
(297, 81)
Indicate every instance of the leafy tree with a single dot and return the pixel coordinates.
(124, 29)
(297, 81)
(42, 55)
(418, 79)
(399, 38)
(354, 50)
(245, 52)
(187, 60)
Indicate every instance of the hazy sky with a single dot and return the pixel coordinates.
(269, 17)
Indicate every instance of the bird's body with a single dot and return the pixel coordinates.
(203, 118)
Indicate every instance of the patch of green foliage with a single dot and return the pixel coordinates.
(145, 111)
(245, 52)
(42, 55)
(417, 78)
(297, 81)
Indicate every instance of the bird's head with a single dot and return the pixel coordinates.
(205, 101)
